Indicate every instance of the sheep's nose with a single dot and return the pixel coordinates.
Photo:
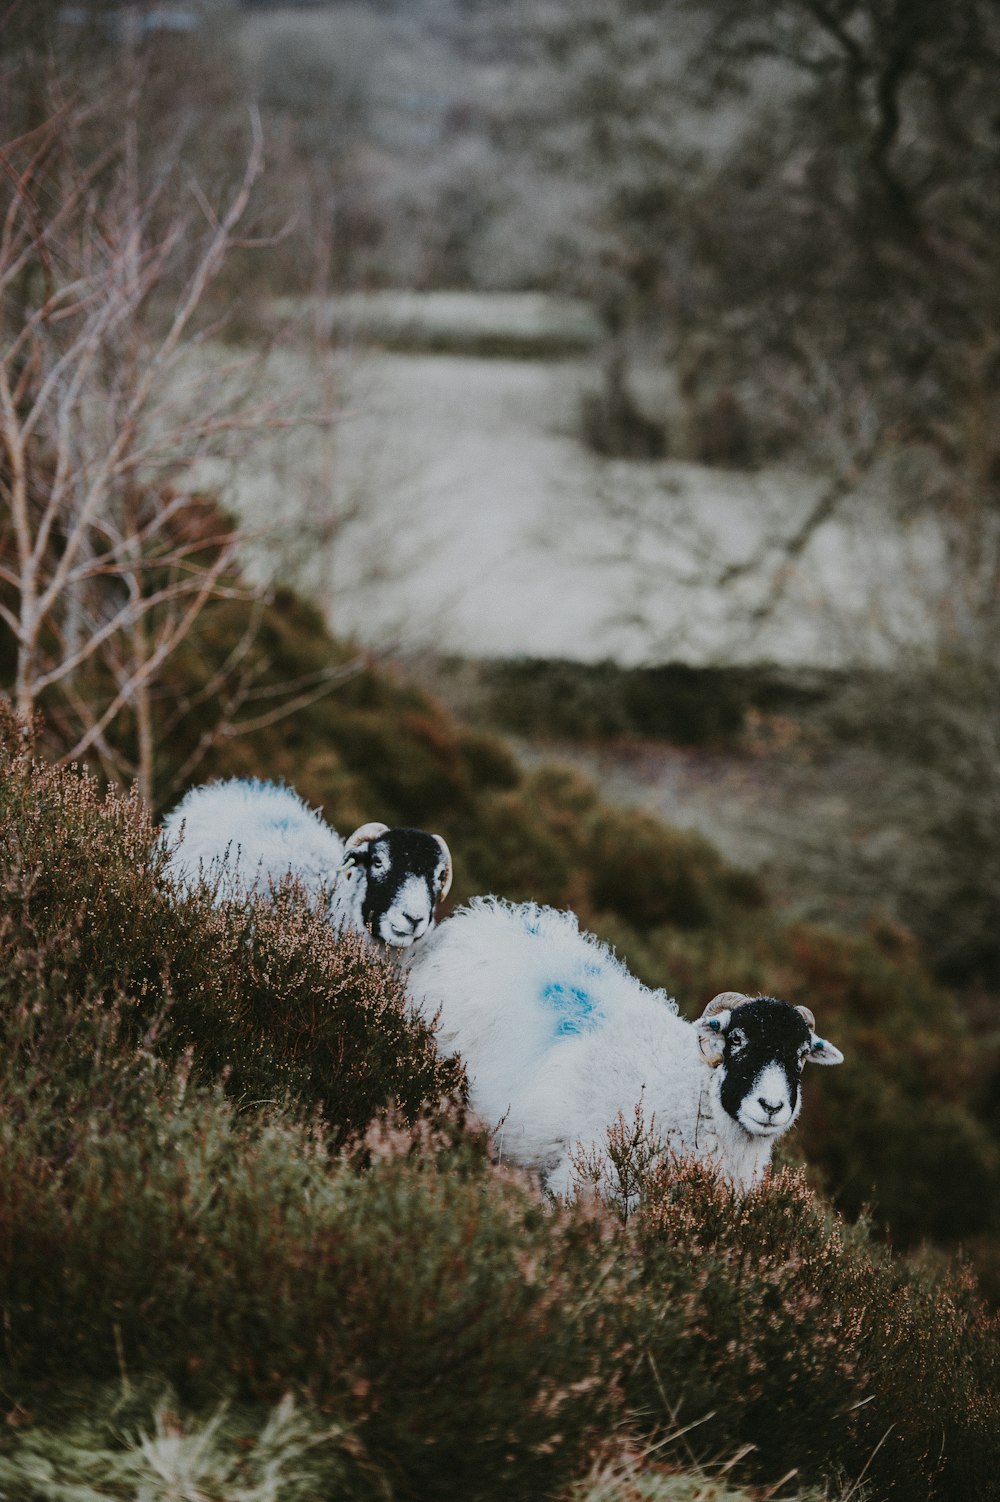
(414, 922)
(771, 1107)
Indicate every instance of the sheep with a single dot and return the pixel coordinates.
(247, 835)
(558, 1038)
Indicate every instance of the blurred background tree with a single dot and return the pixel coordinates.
(113, 555)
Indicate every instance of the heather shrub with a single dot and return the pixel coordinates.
(377, 742)
(512, 850)
(323, 1019)
(195, 1190)
(809, 1343)
(444, 1315)
(260, 991)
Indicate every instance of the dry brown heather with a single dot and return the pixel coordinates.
(258, 992)
(200, 1191)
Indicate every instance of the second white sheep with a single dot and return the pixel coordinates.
(245, 835)
(559, 1038)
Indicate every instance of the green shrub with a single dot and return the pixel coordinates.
(195, 1191)
(446, 1315)
(674, 701)
(114, 1442)
(651, 875)
(511, 850)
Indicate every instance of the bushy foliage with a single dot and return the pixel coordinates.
(808, 1342)
(682, 703)
(260, 990)
(646, 872)
(934, 727)
(443, 1326)
(441, 1313)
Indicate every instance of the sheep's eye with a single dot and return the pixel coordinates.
(380, 863)
(737, 1039)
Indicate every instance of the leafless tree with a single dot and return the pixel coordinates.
(108, 554)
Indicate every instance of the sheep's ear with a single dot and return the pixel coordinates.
(363, 836)
(822, 1052)
(712, 1024)
(448, 872)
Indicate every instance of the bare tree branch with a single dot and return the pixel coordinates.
(107, 561)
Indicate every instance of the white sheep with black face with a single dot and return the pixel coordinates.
(247, 835)
(558, 1038)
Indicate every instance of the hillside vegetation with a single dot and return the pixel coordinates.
(898, 1131)
(235, 1169)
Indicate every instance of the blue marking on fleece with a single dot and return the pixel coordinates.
(275, 791)
(576, 1011)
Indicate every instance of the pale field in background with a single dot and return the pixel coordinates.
(452, 506)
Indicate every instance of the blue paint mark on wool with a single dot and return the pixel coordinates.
(575, 1009)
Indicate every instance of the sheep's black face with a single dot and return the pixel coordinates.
(767, 1043)
(407, 871)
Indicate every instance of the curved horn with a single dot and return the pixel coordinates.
(364, 835)
(726, 1001)
(711, 1025)
(448, 867)
(810, 1019)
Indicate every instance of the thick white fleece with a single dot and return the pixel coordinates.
(249, 835)
(558, 1038)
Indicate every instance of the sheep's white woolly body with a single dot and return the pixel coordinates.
(248, 835)
(558, 1038)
